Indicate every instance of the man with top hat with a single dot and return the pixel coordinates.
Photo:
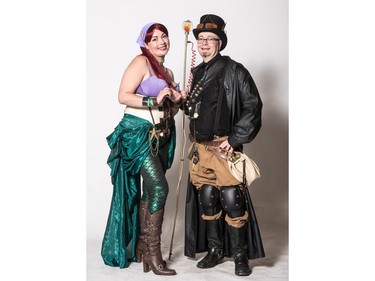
(224, 108)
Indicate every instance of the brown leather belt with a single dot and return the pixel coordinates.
(217, 152)
(206, 143)
(212, 146)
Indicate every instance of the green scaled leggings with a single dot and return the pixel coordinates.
(155, 185)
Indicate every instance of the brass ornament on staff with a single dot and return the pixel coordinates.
(186, 25)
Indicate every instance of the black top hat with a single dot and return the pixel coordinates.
(214, 24)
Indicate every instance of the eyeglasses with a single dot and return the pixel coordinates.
(209, 40)
(207, 25)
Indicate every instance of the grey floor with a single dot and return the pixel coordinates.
(274, 266)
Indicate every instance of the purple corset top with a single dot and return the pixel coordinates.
(151, 86)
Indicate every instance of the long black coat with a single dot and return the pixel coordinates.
(245, 108)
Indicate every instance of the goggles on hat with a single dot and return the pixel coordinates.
(207, 25)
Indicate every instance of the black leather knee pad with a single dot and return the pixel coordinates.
(209, 198)
(233, 201)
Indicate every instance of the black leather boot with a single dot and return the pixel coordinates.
(239, 248)
(215, 245)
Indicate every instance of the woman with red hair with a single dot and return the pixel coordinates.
(142, 145)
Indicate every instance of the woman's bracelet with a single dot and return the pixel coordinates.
(149, 101)
(144, 101)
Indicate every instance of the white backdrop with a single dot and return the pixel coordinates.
(257, 33)
(43, 88)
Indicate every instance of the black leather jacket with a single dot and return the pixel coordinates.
(243, 100)
(244, 103)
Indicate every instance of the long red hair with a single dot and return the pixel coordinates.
(159, 71)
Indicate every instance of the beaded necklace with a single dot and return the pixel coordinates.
(194, 98)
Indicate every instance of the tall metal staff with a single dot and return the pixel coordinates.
(186, 25)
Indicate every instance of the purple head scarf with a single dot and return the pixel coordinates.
(142, 35)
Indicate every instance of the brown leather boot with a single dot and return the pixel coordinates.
(152, 254)
(141, 245)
